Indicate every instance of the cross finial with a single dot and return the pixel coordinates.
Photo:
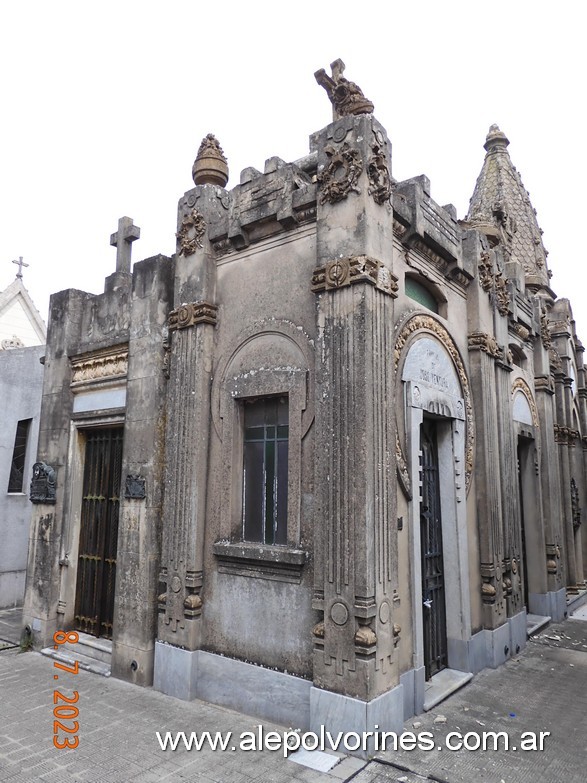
(121, 240)
(20, 263)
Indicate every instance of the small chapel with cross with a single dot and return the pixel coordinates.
(326, 456)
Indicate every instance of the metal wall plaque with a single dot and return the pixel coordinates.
(43, 484)
(135, 488)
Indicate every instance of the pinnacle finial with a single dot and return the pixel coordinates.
(210, 166)
(496, 138)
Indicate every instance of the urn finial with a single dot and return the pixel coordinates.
(210, 166)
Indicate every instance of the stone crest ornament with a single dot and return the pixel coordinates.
(189, 236)
(502, 295)
(135, 488)
(575, 507)
(378, 172)
(43, 484)
(210, 166)
(544, 330)
(341, 175)
(345, 96)
(486, 272)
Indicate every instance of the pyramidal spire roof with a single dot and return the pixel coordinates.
(501, 208)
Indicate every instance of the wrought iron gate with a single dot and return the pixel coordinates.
(434, 612)
(96, 570)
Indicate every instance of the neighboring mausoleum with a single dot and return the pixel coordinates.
(22, 345)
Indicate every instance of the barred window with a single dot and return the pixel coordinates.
(265, 474)
(16, 480)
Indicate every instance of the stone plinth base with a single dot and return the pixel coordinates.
(272, 696)
(552, 604)
(342, 714)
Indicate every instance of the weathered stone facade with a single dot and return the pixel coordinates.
(435, 436)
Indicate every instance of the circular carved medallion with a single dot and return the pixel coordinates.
(339, 613)
(384, 612)
(175, 584)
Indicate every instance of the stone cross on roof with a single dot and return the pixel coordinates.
(122, 241)
(20, 263)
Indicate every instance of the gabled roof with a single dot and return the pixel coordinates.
(15, 300)
(501, 208)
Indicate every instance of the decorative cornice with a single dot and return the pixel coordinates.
(191, 314)
(358, 269)
(105, 365)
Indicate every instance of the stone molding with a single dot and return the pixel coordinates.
(357, 269)
(426, 323)
(191, 314)
(105, 365)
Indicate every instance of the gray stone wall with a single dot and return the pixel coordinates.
(21, 379)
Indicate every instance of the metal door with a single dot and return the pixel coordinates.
(434, 610)
(96, 570)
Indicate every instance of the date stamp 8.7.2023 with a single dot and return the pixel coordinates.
(65, 710)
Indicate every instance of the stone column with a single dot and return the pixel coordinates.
(139, 527)
(191, 332)
(483, 351)
(512, 562)
(355, 522)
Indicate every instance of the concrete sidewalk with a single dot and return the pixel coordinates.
(545, 689)
(10, 626)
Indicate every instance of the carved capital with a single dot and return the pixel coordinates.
(191, 314)
(480, 341)
(358, 269)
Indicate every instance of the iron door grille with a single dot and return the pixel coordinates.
(434, 611)
(96, 575)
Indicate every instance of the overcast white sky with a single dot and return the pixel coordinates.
(105, 105)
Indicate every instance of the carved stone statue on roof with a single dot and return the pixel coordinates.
(346, 97)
